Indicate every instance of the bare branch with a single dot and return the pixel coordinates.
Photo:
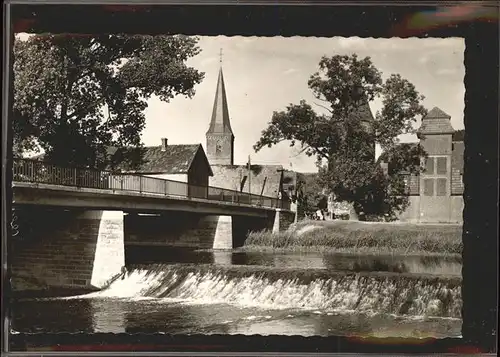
(322, 106)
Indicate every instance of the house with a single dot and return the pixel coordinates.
(186, 168)
(435, 195)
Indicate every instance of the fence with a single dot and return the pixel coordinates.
(26, 170)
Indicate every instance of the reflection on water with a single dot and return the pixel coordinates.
(339, 262)
(147, 316)
(106, 318)
(235, 292)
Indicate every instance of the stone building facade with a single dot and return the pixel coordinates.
(435, 195)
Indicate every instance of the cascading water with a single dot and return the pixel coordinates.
(270, 288)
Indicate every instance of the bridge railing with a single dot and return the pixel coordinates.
(29, 170)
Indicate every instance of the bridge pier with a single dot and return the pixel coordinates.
(223, 235)
(282, 220)
(58, 248)
(109, 255)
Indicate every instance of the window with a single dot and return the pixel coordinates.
(428, 187)
(441, 187)
(441, 165)
(436, 176)
(429, 166)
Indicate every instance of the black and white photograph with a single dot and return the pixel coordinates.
(208, 185)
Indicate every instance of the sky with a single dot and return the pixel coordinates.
(265, 74)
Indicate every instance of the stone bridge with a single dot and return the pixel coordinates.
(72, 227)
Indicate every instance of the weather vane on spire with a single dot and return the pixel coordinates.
(220, 56)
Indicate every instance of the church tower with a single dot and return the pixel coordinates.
(220, 137)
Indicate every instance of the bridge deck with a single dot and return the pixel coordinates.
(26, 193)
(39, 183)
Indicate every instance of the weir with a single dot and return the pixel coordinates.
(397, 294)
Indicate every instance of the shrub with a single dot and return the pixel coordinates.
(359, 236)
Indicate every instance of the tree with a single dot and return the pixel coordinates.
(343, 137)
(311, 196)
(75, 96)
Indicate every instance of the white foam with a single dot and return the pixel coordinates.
(350, 294)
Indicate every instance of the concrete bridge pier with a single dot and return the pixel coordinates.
(223, 231)
(109, 254)
(57, 248)
(282, 220)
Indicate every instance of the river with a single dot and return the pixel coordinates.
(192, 292)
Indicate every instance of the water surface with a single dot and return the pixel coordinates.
(189, 292)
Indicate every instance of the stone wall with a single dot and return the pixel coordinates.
(437, 144)
(457, 208)
(412, 212)
(57, 248)
(457, 185)
(264, 179)
(449, 210)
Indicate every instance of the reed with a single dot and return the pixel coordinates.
(362, 237)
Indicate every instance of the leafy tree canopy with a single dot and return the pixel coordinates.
(74, 96)
(311, 196)
(343, 136)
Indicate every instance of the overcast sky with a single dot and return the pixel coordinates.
(263, 75)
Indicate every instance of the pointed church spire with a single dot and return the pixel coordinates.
(220, 137)
(219, 123)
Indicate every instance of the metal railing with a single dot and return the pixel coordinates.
(28, 170)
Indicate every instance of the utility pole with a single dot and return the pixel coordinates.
(250, 178)
(280, 193)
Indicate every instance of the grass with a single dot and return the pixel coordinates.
(362, 238)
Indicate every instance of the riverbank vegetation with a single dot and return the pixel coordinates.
(362, 238)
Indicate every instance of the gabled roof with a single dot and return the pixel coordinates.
(220, 113)
(175, 159)
(436, 122)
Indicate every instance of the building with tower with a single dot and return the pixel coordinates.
(264, 180)
(220, 137)
(436, 194)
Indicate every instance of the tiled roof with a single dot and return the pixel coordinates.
(151, 159)
(220, 113)
(265, 179)
(173, 160)
(436, 122)
(437, 113)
